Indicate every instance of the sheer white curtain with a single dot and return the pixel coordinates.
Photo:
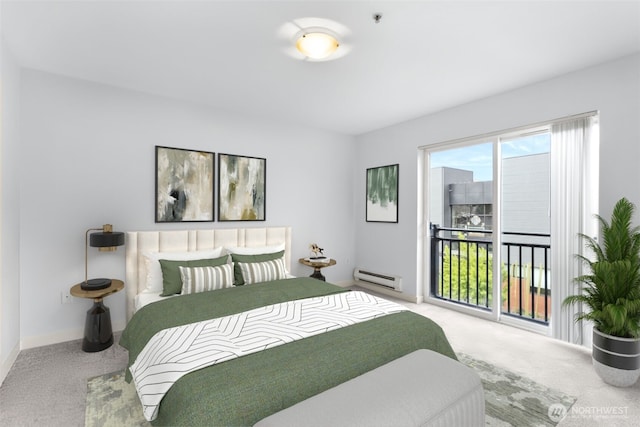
(574, 200)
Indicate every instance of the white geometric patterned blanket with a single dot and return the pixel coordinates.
(175, 352)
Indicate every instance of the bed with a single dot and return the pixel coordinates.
(243, 390)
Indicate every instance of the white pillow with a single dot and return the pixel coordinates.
(154, 271)
(255, 250)
(201, 279)
(266, 271)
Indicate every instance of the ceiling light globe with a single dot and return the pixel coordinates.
(317, 45)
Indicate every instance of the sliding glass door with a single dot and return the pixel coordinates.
(525, 226)
(489, 216)
(504, 213)
(461, 207)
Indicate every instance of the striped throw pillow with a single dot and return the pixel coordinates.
(266, 271)
(201, 279)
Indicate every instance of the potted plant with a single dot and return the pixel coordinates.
(610, 297)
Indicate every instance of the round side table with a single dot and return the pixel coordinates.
(317, 266)
(98, 334)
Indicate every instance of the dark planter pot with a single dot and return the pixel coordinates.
(616, 360)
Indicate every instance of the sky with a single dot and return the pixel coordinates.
(478, 157)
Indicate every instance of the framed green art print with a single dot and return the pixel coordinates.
(382, 194)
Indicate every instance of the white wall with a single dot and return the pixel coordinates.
(10, 214)
(88, 159)
(612, 88)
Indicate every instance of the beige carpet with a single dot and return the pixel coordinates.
(47, 386)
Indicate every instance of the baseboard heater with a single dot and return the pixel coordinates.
(386, 280)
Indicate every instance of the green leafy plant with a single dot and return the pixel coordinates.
(469, 268)
(611, 290)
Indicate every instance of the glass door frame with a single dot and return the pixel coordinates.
(424, 196)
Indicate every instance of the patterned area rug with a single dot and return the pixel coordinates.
(510, 399)
(112, 402)
(513, 400)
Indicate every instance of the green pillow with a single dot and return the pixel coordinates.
(237, 272)
(171, 280)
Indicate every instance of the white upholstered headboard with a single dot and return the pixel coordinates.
(141, 242)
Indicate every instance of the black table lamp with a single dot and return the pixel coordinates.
(105, 240)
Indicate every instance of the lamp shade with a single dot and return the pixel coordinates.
(106, 239)
(317, 44)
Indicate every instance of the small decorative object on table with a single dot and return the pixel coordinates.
(317, 261)
(318, 254)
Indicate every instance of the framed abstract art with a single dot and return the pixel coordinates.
(382, 194)
(184, 185)
(241, 188)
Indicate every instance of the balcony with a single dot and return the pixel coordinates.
(462, 271)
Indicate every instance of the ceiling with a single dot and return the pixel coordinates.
(422, 57)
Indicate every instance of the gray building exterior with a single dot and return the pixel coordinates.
(440, 202)
(459, 202)
(525, 196)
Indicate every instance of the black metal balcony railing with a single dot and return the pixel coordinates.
(462, 271)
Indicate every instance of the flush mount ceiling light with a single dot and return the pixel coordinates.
(314, 39)
(316, 43)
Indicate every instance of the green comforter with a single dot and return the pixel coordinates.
(245, 390)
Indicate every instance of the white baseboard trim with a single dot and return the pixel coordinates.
(8, 362)
(385, 291)
(55, 338)
(58, 337)
(343, 283)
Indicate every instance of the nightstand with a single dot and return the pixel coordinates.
(98, 334)
(317, 266)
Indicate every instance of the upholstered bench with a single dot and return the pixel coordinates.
(423, 388)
